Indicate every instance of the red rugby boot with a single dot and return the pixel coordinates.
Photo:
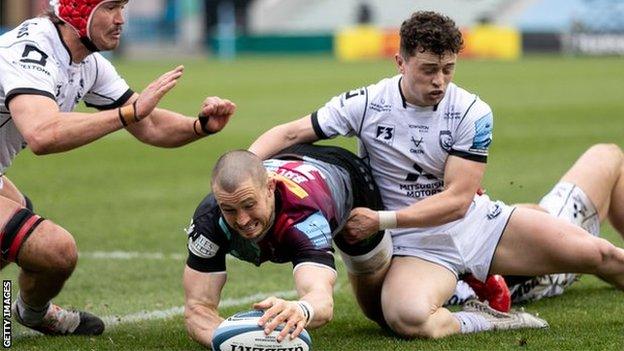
(494, 291)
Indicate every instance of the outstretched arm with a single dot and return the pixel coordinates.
(314, 308)
(462, 179)
(47, 130)
(283, 136)
(202, 292)
(166, 128)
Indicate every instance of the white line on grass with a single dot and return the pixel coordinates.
(112, 321)
(133, 255)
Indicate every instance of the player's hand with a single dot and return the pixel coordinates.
(154, 92)
(362, 223)
(218, 112)
(278, 311)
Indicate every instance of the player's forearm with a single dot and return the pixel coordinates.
(201, 323)
(283, 136)
(436, 210)
(164, 128)
(272, 141)
(67, 131)
(323, 310)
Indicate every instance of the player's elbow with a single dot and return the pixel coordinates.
(459, 207)
(38, 143)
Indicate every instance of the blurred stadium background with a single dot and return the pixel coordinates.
(551, 70)
(355, 29)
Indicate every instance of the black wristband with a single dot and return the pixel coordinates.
(203, 121)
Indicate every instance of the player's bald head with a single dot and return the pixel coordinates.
(235, 167)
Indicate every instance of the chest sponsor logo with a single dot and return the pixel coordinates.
(385, 134)
(421, 129)
(417, 145)
(416, 191)
(430, 186)
(380, 106)
(446, 140)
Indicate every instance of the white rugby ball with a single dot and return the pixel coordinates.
(241, 332)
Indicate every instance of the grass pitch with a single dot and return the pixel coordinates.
(118, 195)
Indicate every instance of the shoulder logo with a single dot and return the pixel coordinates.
(202, 247)
(385, 133)
(483, 134)
(33, 55)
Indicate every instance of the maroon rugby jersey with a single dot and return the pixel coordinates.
(302, 230)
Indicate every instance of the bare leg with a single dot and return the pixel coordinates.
(367, 290)
(47, 260)
(536, 243)
(10, 191)
(412, 297)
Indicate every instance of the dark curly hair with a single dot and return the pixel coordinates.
(429, 31)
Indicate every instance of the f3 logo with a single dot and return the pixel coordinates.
(33, 55)
(385, 134)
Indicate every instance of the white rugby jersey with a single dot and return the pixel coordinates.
(407, 146)
(35, 60)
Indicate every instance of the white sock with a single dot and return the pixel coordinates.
(30, 316)
(471, 322)
(463, 292)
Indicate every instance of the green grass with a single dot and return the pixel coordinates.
(118, 194)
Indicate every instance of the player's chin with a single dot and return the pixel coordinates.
(109, 45)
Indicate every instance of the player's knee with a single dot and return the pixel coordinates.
(610, 152)
(409, 321)
(54, 250)
(599, 254)
(64, 254)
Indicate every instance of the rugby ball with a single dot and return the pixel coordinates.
(241, 332)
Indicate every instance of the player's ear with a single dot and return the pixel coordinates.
(271, 184)
(400, 61)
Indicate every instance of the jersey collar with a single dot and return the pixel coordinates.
(58, 31)
(407, 104)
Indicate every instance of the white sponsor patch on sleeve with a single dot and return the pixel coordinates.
(202, 246)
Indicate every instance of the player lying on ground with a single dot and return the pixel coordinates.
(591, 191)
(427, 140)
(287, 209)
(47, 65)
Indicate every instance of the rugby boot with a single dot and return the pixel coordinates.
(505, 321)
(59, 321)
(494, 291)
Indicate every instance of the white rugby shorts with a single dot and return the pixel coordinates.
(463, 246)
(569, 202)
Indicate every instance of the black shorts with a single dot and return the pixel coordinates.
(365, 190)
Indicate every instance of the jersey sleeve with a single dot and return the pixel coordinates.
(312, 241)
(109, 90)
(342, 115)
(26, 68)
(207, 245)
(474, 133)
